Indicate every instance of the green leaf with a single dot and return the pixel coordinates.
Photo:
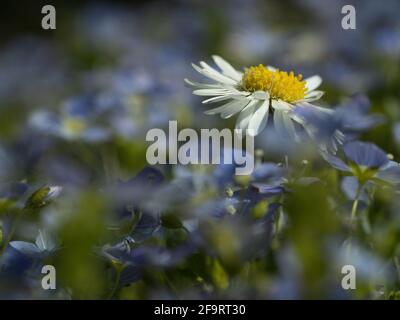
(5, 205)
(219, 276)
(393, 295)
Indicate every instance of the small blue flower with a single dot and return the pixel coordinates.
(366, 162)
(347, 122)
(13, 190)
(354, 115)
(148, 255)
(134, 220)
(68, 127)
(44, 245)
(352, 189)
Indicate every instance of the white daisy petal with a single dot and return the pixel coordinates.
(313, 95)
(298, 119)
(260, 117)
(281, 105)
(245, 115)
(260, 95)
(210, 92)
(210, 69)
(279, 122)
(221, 98)
(229, 107)
(219, 109)
(237, 106)
(289, 126)
(216, 77)
(227, 68)
(213, 74)
(201, 85)
(305, 104)
(313, 83)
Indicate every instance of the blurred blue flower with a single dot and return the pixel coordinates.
(44, 245)
(366, 162)
(347, 122)
(350, 187)
(134, 221)
(13, 190)
(33, 71)
(76, 121)
(396, 132)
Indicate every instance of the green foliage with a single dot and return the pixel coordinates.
(312, 225)
(218, 275)
(393, 295)
(37, 198)
(79, 268)
(260, 210)
(6, 205)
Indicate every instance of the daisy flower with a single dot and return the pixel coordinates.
(257, 93)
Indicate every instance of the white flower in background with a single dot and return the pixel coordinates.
(257, 93)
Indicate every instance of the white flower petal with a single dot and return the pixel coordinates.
(298, 119)
(313, 83)
(245, 115)
(237, 106)
(227, 68)
(210, 92)
(220, 108)
(223, 107)
(313, 95)
(260, 117)
(281, 105)
(260, 95)
(305, 104)
(200, 85)
(213, 74)
(289, 126)
(279, 122)
(222, 98)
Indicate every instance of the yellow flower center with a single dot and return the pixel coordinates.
(279, 84)
(73, 127)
